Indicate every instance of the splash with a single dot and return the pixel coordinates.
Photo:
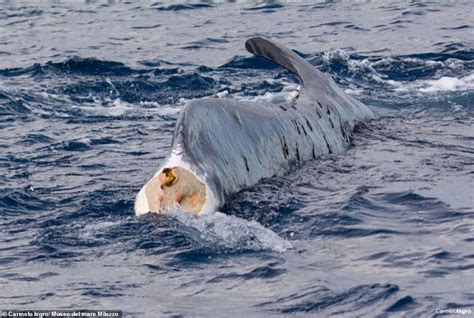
(232, 233)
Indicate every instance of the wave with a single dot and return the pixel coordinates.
(393, 69)
(80, 66)
(265, 7)
(321, 300)
(205, 43)
(184, 6)
(90, 87)
(99, 89)
(21, 11)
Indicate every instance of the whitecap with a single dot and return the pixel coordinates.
(446, 83)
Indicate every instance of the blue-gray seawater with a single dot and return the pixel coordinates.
(89, 96)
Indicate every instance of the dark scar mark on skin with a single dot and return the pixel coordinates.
(309, 125)
(284, 147)
(246, 164)
(327, 145)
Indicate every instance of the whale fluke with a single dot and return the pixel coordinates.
(221, 146)
(281, 55)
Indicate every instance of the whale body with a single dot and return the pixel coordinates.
(221, 146)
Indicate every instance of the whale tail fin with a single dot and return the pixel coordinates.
(283, 56)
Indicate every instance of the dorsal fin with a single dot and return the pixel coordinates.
(281, 55)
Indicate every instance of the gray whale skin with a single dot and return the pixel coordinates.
(221, 146)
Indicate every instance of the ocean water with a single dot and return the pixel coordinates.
(89, 95)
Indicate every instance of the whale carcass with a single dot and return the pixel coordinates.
(221, 146)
